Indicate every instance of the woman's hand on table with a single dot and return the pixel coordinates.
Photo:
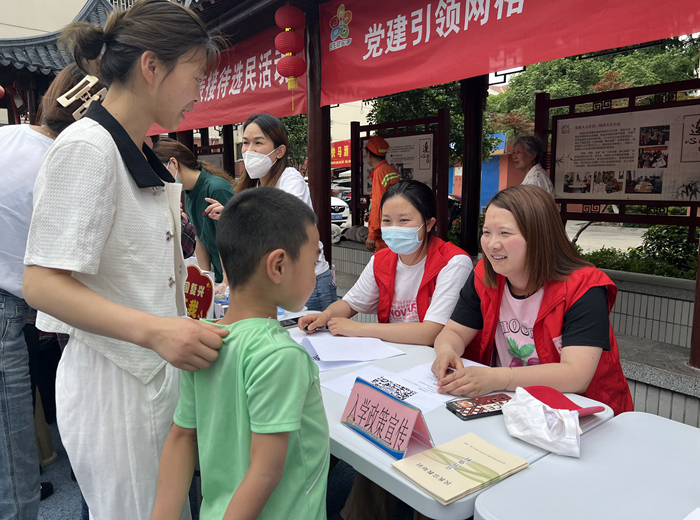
(311, 322)
(186, 344)
(473, 381)
(445, 363)
(214, 209)
(345, 327)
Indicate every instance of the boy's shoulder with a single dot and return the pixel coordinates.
(258, 336)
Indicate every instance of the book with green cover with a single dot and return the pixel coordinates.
(453, 470)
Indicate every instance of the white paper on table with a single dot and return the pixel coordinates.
(694, 515)
(343, 385)
(422, 377)
(417, 390)
(323, 366)
(338, 348)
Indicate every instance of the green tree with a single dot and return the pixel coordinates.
(425, 102)
(675, 59)
(297, 131)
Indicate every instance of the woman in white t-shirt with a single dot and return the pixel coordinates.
(412, 286)
(266, 158)
(104, 262)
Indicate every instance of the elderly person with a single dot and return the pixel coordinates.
(528, 153)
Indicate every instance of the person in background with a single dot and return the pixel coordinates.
(22, 148)
(533, 310)
(412, 285)
(104, 262)
(255, 418)
(265, 147)
(201, 180)
(189, 236)
(383, 175)
(528, 156)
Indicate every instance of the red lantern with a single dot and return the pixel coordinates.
(289, 42)
(290, 17)
(2, 92)
(291, 67)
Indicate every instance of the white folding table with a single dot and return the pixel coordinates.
(637, 466)
(444, 426)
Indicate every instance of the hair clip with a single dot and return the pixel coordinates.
(81, 92)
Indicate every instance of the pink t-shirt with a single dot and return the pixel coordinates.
(515, 345)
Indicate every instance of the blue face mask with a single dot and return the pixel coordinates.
(402, 240)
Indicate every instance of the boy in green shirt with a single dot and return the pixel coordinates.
(255, 416)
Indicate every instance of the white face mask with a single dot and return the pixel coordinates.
(177, 170)
(257, 165)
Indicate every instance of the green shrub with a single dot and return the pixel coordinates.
(665, 251)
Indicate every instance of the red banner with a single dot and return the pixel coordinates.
(244, 83)
(340, 154)
(371, 49)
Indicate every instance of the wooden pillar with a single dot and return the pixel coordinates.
(204, 136)
(186, 138)
(695, 337)
(473, 92)
(32, 103)
(318, 132)
(442, 163)
(355, 173)
(229, 146)
(542, 116)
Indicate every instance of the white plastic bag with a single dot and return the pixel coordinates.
(533, 421)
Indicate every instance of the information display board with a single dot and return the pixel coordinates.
(639, 155)
(411, 155)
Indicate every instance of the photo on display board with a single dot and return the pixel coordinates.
(606, 182)
(578, 182)
(654, 135)
(644, 182)
(653, 157)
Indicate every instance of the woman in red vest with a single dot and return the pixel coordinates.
(412, 285)
(533, 310)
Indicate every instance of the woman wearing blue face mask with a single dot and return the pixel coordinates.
(265, 146)
(412, 286)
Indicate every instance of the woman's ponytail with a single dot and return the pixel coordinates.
(85, 41)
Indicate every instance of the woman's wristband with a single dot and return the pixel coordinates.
(512, 373)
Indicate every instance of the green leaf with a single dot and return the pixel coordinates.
(513, 349)
(527, 350)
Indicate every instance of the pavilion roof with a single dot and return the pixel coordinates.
(43, 53)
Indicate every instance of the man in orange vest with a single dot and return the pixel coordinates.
(383, 175)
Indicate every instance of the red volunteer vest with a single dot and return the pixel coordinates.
(608, 385)
(439, 253)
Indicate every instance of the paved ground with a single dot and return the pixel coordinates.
(596, 237)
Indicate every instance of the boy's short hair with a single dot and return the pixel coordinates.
(256, 222)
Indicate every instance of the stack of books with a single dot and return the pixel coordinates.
(453, 470)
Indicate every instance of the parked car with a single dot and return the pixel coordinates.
(340, 213)
(341, 192)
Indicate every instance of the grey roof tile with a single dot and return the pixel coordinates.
(43, 52)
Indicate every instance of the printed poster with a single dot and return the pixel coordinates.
(646, 155)
(411, 155)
